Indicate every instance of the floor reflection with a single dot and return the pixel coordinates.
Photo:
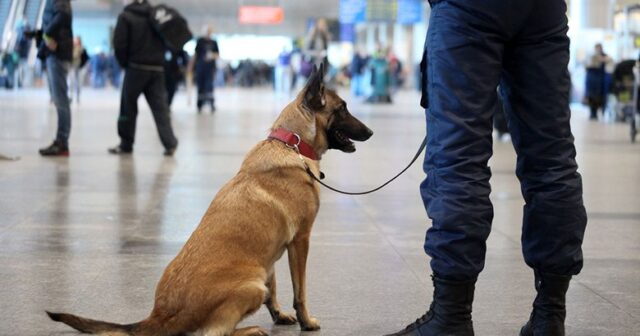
(92, 233)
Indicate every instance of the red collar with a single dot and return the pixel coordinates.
(293, 140)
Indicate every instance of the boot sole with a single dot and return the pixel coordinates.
(65, 154)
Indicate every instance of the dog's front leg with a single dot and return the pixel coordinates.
(297, 251)
(277, 315)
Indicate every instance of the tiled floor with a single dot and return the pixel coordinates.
(91, 234)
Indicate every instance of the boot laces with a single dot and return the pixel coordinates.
(422, 319)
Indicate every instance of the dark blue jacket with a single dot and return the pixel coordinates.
(134, 39)
(56, 23)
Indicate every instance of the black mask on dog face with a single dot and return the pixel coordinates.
(344, 127)
(340, 126)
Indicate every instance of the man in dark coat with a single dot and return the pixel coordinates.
(204, 61)
(140, 51)
(472, 47)
(56, 50)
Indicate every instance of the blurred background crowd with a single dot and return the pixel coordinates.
(371, 47)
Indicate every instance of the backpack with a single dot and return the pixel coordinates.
(171, 26)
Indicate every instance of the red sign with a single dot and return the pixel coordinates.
(260, 15)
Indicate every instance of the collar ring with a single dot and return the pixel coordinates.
(296, 145)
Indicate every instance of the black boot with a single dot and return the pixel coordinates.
(119, 150)
(547, 317)
(594, 113)
(450, 311)
(57, 148)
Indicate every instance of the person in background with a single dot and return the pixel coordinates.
(56, 49)
(9, 66)
(175, 65)
(283, 73)
(98, 69)
(114, 70)
(358, 66)
(380, 78)
(296, 63)
(80, 59)
(318, 43)
(22, 48)
(140, 51)
(596, 81)
(395, 70)
(472, 47)
(203, 65)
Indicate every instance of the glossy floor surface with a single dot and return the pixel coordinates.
(91, 234)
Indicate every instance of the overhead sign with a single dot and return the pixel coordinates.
(400, 11)
(410, 11)
(382, 10)
(352, 11)
(260, 15)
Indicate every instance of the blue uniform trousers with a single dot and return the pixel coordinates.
(472, 47)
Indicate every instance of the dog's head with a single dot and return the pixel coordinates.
(333, 126)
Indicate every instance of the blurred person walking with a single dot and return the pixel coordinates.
(203, 65)
(283, 73)
(80, 59)
(8, 69)
(318, 43)
(358, 67)
(471, 48)
(597, 81)
(395, 70)
(140, 51)
(380, 78)
(56, 49)
(22, 48)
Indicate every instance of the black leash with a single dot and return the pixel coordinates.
(422, 146)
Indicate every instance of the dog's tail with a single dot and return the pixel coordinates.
(89, 326)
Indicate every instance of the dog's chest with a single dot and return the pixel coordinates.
(301, 220)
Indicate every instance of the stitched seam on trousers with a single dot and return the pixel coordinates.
(431, 96)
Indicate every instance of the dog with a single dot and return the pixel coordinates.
(225, 271)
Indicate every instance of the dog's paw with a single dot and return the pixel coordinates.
(310, 325)
(259, 332)
(285, 319)
(250, 331)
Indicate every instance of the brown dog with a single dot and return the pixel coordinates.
(225, 271)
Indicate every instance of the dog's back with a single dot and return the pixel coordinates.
(243, 233)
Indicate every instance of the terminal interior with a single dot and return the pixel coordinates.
(91, 233)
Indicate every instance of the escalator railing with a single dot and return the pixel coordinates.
(14, 13)
(7, 13)
(32, 11)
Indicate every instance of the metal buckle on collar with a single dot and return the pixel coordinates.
(296, 145)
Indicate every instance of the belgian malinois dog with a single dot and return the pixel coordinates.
(225, 271)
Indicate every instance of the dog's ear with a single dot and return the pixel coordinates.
(314, 98)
